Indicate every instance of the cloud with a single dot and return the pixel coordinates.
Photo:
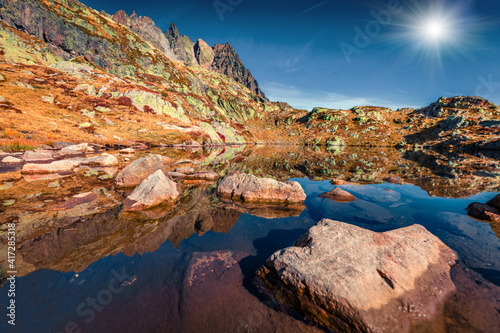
(313, 7)
(308, 99)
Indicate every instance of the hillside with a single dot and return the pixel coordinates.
(70, 73)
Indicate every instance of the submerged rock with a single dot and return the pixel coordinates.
(338, 195)
(151, 192)
(483, 212)
(139, 170)
(351, 279)
(249, 188)
(495, 202)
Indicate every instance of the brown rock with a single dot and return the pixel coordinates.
(338, 182)
(249, 188)
(209, 176)
(394, 180)
(351, 279)
(186, 171)
(495, 202)
(151, 192)
(338, 195)
(77, 200)
(139, 170)
(168, 160)
(483, 212)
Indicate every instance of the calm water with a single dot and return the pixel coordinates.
(195, 274)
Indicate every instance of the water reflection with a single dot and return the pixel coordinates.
(177, 256)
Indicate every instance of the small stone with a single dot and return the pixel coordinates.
(3, 99)
(127, 151)
(105, 177)
(9, 202)
(91, 173)
(2, 79)
(186, 171)
(6, 186)
(55, 184)
(90, 114)
(48, 99)
(103, 109)
(338, 195)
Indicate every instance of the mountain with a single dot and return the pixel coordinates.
(70, 73)
(147, 29)
(226, 61)
(221, 58)
(122, 64)
(181, 45)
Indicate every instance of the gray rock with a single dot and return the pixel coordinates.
(139, 170)
(12, 160)
(351, 279)
(38, 157)
(249, 188)
(74, 150)
(186, 171)
(48, 99)
(152, 191)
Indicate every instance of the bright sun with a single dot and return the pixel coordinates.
(435, 30)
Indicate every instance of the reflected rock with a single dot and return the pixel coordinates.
(373, 194)
(351, 279)
(338, 195)
(212, 281)
(267, 211)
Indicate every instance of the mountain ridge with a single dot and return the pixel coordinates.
(61, 61)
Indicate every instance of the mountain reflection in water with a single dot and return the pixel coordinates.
(190, 266)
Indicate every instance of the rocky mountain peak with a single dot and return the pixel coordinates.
(227, 61)
(204, 54)
(182, 46)
(146, 28)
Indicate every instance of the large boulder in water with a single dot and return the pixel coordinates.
(248, 188)
(351, 279)
(153, 190)
(139, 170)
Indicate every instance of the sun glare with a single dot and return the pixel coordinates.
(435, 30)
(432, 30)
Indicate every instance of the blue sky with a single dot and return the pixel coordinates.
(342, 53)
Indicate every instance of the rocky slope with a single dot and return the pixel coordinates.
(117, 80)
